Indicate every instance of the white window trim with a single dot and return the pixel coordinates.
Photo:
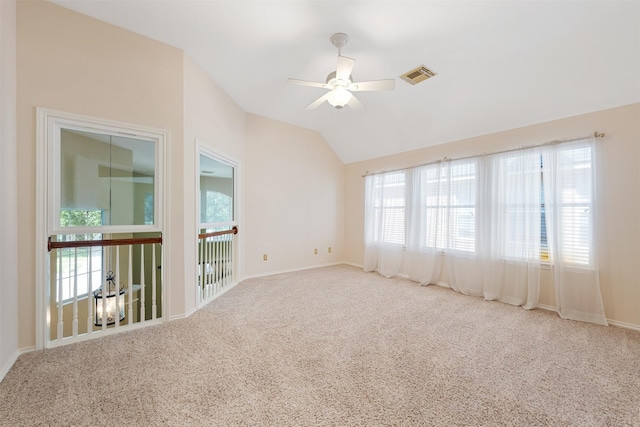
(204, 150)
(207, 150)
(48, 124)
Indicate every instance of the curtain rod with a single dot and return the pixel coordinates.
(446, 159)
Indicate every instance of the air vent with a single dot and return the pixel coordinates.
(417, 75)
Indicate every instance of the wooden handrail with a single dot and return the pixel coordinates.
(110, 242)
(234, 230)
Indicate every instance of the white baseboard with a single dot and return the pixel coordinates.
(353, 264)
(272, 273)
(7, 367)
(218, 295)
(616, 323)
(547, 307)
(195, 309)
(183, 315)
(623, 325)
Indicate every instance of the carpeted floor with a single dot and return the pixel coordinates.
(337, 347)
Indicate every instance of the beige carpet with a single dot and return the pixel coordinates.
(336, 346)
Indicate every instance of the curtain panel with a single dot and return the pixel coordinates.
(485, 225)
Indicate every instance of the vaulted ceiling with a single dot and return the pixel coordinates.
(499, 64)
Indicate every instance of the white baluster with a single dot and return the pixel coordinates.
(75, 293)
(231, 258)
(216, 260)
(208, 264)
(205, 269)
(142, 285)
(90, 297)
(130, 284)
(153, 281)
(201, 264)
(211, 271)
(215, 249)
(221, 262)
(225, 249)
(226, 259)
(60, 296)
(117, 285)
(215, 275)
(105, 290)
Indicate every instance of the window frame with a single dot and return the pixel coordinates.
(47, 160)
(380, 210)
(587, 206)
(447, 239)
(55, 125)
(204, 150)
(447, 243)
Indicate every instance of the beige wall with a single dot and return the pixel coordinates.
(213, 119)
(69, 62)
(294, 198)
(618, 196)
(8, 189)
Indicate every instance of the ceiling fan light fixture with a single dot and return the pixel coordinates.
(340, 82)
(339, 97)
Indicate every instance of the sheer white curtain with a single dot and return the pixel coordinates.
(510, 243)
(458, 232)
(483, 225)
(395, 226)
(569, 188)
(423, 257)
(385, 216)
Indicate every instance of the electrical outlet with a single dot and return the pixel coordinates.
(315, 251)
(329, 250)
(264, 257)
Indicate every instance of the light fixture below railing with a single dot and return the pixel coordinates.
(110, 303)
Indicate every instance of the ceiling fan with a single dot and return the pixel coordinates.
(340, 83)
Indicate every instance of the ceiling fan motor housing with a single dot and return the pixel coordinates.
(332, 81)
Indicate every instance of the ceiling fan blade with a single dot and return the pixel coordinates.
(306, 83)
(345, 66)
(387, 84)
(318, 101)
(355, 104)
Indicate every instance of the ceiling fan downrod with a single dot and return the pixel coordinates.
(339, 40)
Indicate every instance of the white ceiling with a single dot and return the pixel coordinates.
(500, 64)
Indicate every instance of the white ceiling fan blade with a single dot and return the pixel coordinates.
(318, 101)
(387, 84)
(306, 83)
(345, 66)
(355, 104)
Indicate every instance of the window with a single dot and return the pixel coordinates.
(570, 185)
(544, 245)
(217, 188)
(537, 205)
(449, 199)
(389, 208)
(515, 205)
(81, 264)
(109, 173)
(216, 207)
(148, 208)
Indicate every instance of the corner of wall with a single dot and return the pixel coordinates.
(8, 190)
